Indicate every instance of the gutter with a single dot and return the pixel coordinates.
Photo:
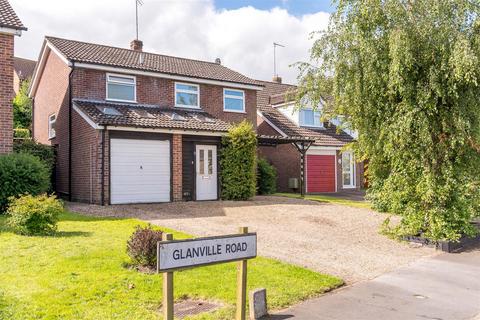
(70, 107)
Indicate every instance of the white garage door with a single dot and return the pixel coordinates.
(140, 171)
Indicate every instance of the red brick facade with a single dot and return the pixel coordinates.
(177, 167)
(90, 158)
(6, 92)
(286, 159)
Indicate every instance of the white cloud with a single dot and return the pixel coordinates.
(242, 38)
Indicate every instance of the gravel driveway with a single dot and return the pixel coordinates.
(332, 239)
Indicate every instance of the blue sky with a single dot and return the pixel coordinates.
(295, 7)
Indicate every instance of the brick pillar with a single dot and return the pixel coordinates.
(6, 93)
(177, 167)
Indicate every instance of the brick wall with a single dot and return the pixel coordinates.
(16, 83)
(6, 93)
(285, 158)
(52, 98)
(91, 84)
(177, 167)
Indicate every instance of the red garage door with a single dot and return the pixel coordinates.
(320, 173)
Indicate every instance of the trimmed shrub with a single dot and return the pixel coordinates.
(237, 162)
(142, 246)
(21, 173)
(42, 151)
(266, 177)
(34, 215)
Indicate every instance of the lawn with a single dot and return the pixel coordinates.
(80, 274)
(329, 199)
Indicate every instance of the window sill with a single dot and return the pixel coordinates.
(349, 187)
(119, 100)
(187, 107)
(235, 111)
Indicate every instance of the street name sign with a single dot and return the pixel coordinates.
(180, 254)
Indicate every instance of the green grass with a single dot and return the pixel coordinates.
(329, 199)
(80, 274)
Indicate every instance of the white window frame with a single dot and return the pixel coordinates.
(352, 171)
(187, 91)
(307, 125)
(225, 95)
(51, 123)
(124, 83)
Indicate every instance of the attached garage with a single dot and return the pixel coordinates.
(321, 172)
(140, 171)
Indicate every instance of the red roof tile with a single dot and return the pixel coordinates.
(8, 17)
(118, 57)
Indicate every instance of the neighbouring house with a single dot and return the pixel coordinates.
(22, 70)
(135, 127)
(10, 26)
(327, 167)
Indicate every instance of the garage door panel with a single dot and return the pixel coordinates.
(140, 171)
(321, 173)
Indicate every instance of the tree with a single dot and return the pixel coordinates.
(405, 75)
(22, 107)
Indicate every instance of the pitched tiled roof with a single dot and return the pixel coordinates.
(8, 17)
(24, 67)
(328, 136)
(275, 90)
(149, 116)
(118, 57)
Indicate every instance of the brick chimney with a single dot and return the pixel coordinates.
(136, 45)
(277, 79)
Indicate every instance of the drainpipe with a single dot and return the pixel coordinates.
(103, 166)
(70, 107)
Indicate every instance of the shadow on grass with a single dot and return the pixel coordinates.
(71, 234)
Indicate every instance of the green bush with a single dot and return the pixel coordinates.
(34, 215)
(42, 151)
(142, 246)
(266, 177)
(21, 173)
(21, 133)
(237, 163)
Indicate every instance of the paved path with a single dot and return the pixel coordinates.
(443, 287)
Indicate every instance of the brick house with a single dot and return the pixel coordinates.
(130, 126)
(22, 70)
(10, 26)
(328, 168)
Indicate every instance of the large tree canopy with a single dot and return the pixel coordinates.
(405, 74)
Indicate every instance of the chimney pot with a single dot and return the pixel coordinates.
(218, 61)
(136, 45)
(277, 79)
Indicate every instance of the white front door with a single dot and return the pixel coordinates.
(206, 172)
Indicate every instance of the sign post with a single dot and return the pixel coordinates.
(241, 283)
(167, 287)
(182, 254)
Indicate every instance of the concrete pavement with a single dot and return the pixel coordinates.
(445, 287)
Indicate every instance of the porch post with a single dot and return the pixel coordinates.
(302, 171)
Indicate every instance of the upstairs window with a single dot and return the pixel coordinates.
(310, 118)
(233, 100)
(121, 88)
(187, 95)
(52, 119)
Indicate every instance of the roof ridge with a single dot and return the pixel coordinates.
(15, 57)
(152, 53)
(273, 82)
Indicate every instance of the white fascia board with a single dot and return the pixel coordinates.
(324, 148)
(86, 118)
(168, 76)
(37, 74)
(170, 131)
(260, 114)
(13, 31)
